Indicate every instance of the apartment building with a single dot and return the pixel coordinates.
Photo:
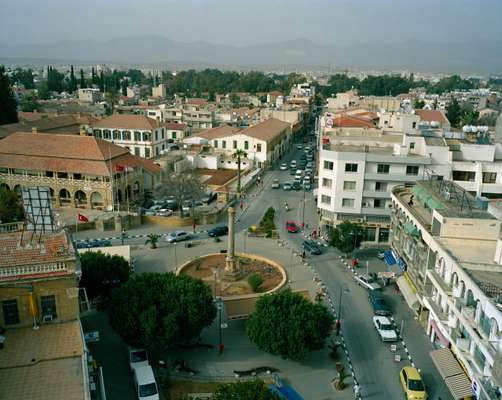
(89, 95)
(197, 115)
(450, 250)
(358, 167)
(43, 355)
(80, 171)
(160, 90)
(142, 136)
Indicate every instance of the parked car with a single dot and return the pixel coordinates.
(299, 146)
(291, 227)
(177, 236)
(292, 171)
(144, 382)
(137, 358)
(286, 186)
(385, 329)
(380, 306)
(208, 197)
(221, 230)
(165, 212)
(307, 186)
(276, 184)
(312, 247)
(283, 167)
(292, 164)
(297, 185)
(412, 383)
(367, 281)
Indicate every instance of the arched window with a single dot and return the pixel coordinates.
(126, 135)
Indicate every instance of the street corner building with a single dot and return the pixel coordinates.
(42, 354)
(79, 170)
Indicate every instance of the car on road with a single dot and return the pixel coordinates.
(292, 171)
(177, 236)
(380, 306)
(412, 383)
(385, 329)
(276, 184)
(165, 212)
(292, 164)
(144, 382)
(291, 227)
(307, 186)
(312, 247)
(296, 185)
(221, 230)
(367, 281)
(283, 167)
(137, 358)
(286, 186)
(299, 146)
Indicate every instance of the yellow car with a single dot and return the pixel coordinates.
(412, 384)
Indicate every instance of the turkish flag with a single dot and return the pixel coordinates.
(119, 168)
(82, 218)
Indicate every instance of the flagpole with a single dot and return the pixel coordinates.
(76, 226)
(111, 178)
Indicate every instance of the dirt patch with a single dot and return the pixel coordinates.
(205, 269)
(178, 389)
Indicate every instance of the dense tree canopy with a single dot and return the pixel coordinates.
(154, 309)
(454, 82)
(289, 325)
(346, 236)
(102, 272)
(29, 103)
(8, 106)
(23, 77)
(244, 390)
(11, 209)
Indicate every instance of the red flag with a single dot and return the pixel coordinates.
(119, 168)
(82, 218)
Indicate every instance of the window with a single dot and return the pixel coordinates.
(479, 357)
(147, 152)
(383, 235)
(224, 144)
(97, 133)
(136, 151)
(383, 168)
(156, 135)
(174, 135)
(328, 165)
(116, 135)
(378, 203)
(146, 136)
(369, 234)
(137, 136)
(489, 177)
(327, 183)
(348, 203)
(106, 134)
(246, 145)
(412, 170)
(10, 312)
(325, 199)
(126, 135)
(349, 167)
(235, 144)
(380, 186)
(463, 176)
(258, 147)
(412, 144)
(215, 143)
(413, 126)
(48, 306)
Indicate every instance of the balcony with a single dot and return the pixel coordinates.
(378, 194)
(29, 270)
(439, 282)
(36, 180)
(376, 211)
(436, 309)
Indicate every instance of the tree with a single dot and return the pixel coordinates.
(244, 390)
(102, 272)
(8, 108)
(24, 77)
(287, 324)
(419, 104)
(155, 310)
(29, 103)
(454, 112)
(72, 86)
(11, 209)
(123, 87)
(239, 154)
(152, 239)
(255, 281)
(94, 79)
(111, 98)
(184, 186)
(346, 236)
(234, 99)
(83, 84)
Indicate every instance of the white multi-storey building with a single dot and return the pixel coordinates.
(451, 252)
(142, 136)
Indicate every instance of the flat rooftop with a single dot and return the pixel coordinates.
(43, 364)
(470, 251)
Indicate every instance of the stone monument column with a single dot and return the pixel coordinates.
(231, 269)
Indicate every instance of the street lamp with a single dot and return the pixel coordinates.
(343, 289)
(219, 306)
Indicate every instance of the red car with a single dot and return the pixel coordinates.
(291, 227)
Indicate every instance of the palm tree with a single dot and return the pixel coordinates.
(239, 153)
(153, 238)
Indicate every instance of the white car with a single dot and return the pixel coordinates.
(283, 167)
(299, 146)
(276, 184)
(145, 384)
(137, 358)
(367, 281)
(164, 212)
(177, 236)
(385, 329)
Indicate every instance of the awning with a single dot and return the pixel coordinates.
(409, 296)
(453, 375)
(389, 258)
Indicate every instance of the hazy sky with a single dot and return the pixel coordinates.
(243, 22)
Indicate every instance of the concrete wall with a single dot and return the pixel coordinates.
(468, 228)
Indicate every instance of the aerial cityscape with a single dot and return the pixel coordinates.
(235, 200)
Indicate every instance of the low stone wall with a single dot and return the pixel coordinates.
(173, 220)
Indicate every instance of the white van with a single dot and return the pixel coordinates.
(144, 382)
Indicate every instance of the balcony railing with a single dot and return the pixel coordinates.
(438, 281)
(24, 270)
(47, 180)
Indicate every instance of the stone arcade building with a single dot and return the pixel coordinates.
(80, 171)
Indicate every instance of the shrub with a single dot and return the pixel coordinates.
(255, 281)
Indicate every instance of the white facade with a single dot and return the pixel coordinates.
(160, 90)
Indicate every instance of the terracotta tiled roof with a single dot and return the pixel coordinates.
(196, 101)
(432, 115)
(266, 130)
(24, 248)
(352, 121)
(174, 126)
(220, 131)
(66, 153)
(127, 121)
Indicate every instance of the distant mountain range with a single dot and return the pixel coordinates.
(481, 57)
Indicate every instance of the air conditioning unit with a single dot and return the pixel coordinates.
(47, 318)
